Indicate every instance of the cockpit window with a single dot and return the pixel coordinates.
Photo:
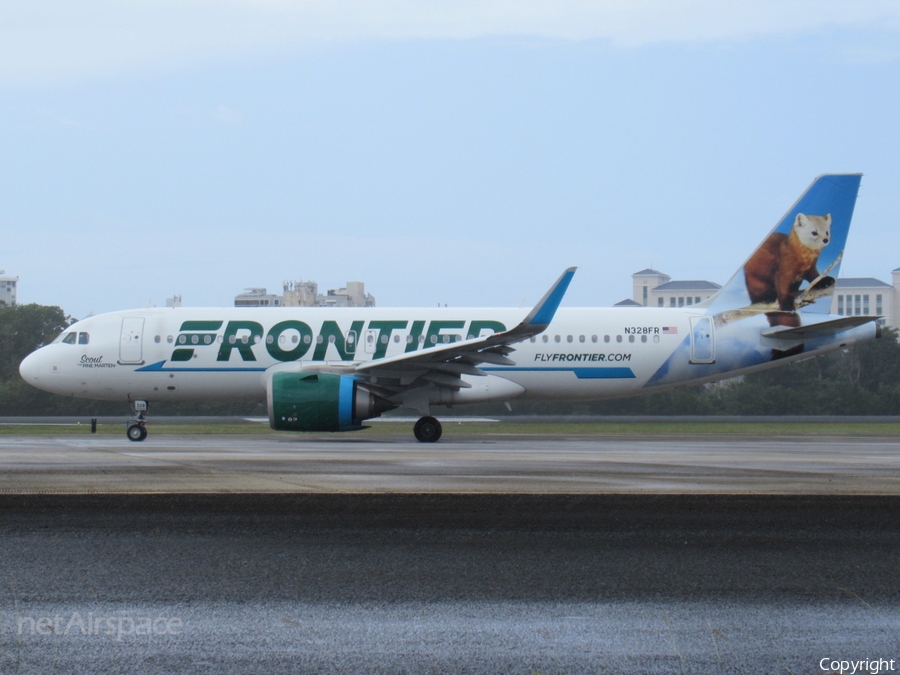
(69, 338)
(84, 338)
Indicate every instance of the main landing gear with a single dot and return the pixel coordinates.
(427, 430)
(137, 427)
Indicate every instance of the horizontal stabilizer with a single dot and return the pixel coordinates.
(816, 330)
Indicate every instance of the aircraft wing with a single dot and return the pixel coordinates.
(444, 364)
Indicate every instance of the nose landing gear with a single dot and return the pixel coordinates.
(427, 430)
(137, 427)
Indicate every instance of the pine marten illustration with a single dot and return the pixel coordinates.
(780, 265)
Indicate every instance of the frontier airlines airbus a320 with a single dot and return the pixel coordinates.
(326, 369)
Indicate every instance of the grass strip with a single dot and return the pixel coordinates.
(487, 430)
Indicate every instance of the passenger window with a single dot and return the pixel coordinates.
(643, 338)
(618, 338)
(606, 338)
(631, 338)
(84, 338)
(157, 339)
(69, 339)
(656, 338)
(409, 339)
(396, 338)
(556, 338)
(581, 338)
(545, 338)
(170, 339)
(593, 338)
(568, 338)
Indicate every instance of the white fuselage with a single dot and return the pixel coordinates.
(220, 354)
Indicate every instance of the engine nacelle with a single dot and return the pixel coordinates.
(304, 401)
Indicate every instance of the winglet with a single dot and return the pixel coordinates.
(543, 312)
(479, 348)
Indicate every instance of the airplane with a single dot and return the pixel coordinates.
(331, 369)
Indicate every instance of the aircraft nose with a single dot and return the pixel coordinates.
(29, 369)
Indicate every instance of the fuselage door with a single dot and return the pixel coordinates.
(131, 340)
(703, 346)
(370, 338)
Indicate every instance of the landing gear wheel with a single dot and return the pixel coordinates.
(137, 432)
(427, 430)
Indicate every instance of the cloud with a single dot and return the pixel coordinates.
(61, 39)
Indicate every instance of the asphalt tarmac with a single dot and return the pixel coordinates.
(285, 554)
(446, 583)
(467, 462)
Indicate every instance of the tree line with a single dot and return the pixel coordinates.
(861, 380)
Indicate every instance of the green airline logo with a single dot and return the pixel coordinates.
(292, 340)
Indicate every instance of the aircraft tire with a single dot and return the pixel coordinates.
(136, 432)
(427, 430)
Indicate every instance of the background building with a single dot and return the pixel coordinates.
(306, 294)
(300, 293)
(257, 297)
(852, 296)
(352, 295)
(866, 295)
(8, 286)
(655, 289)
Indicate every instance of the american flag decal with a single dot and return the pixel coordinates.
(670, 330)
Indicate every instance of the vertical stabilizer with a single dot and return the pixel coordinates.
(795, 267)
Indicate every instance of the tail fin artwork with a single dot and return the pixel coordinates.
(795, 267)
(778, 304)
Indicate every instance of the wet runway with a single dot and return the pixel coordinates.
(284, 554)
(446, 583)
(469, 464)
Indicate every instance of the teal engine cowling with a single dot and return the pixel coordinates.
(304, 401)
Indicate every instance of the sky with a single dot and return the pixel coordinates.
(442, 152)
